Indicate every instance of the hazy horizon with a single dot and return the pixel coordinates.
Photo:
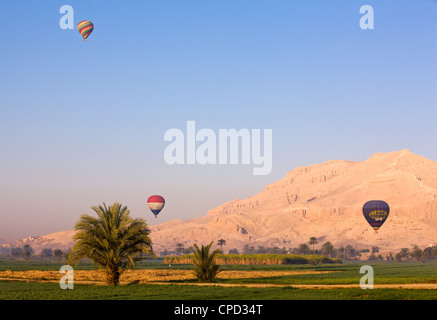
(83, 123)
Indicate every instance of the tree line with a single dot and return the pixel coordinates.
(26, 252)
(327, 249)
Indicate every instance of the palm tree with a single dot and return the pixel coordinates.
(303, 249)
(111, 240)
(221, 243)
(313, 241)
(58, 254)
(327, 249)
(417, 253)
(405, 253)
(179, 248)
(206, 268)
(46, 253)
(17, 252)
(27, 251)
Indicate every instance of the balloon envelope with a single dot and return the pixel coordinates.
(155, 204)
(376, 212)
(85, 28)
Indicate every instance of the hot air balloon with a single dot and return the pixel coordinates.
(376, 212)
(85, 28)
(155, 204)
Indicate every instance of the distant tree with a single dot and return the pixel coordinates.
(417, 254)
(66, 254)
(402, 255)
(427, 253)
(434, 251)
(346, 252)
(248, 249)
(390, 256)
(27, 251)
(336, 253)
(372, 257)
(292, 250)
(327, 249)
(17, 253)
(405, 253)
(351, 252)
(303, 249)
(46, 253)
(221, 243)
(275, 250)
(261, 249)
(58, 254)
(233, 251)
(179, 248)
(375, 249)
(313, 241)
(281, 250)
(206, 267)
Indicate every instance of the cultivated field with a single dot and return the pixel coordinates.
(159, 281)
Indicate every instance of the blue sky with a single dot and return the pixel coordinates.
(82, 123)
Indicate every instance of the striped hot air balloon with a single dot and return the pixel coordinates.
(85, 28)
(376, 212)
(155, 204)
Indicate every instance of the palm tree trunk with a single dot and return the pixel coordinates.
(113, 277)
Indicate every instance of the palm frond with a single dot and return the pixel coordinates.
(206, 268)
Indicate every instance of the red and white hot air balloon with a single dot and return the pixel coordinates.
(155, 204)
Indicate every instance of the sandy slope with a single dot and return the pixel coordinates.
(325, 201)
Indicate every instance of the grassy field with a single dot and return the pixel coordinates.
(249, 282)
(51, 291)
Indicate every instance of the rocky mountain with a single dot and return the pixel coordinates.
(321, 200)
(325, 201)
(59, 240)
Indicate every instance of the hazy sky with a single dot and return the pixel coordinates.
(83, 123)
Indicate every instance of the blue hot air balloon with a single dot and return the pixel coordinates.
(376, 212)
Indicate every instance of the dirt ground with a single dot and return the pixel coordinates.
(144, 276)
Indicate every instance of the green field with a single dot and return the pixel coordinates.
(51, 291)
(348, 273)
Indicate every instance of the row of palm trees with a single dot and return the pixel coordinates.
(26, 252)
(180, 249)
(326, 249)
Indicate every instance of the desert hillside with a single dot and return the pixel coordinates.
(325, 201)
